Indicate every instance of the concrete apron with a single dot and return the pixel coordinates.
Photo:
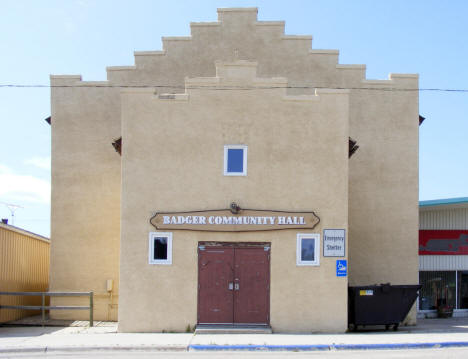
(430, 333)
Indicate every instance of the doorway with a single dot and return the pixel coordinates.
(234, 283)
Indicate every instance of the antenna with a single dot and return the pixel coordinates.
(12, 208)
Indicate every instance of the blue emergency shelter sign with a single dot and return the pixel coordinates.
(341, 268)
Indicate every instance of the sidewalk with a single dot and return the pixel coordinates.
(430, 333)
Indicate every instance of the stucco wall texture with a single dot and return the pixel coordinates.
(381, 194)
(173, 159)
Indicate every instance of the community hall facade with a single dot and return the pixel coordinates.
(217, 182)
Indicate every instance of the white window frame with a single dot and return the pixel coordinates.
(244, 164)
(316, 237)
(151, 259)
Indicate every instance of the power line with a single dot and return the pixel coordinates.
(234, 88)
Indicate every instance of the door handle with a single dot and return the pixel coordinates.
(230, 285)
(236, 286)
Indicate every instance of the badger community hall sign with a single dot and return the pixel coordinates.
(234, 220)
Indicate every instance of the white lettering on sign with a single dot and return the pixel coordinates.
(184, 220)
(220, 220)
(225, 220)
(290, 220)
(333, 242)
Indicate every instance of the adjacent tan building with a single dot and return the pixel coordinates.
(24, 267)
(234, 199)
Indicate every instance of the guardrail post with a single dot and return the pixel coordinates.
(91, 309)
(43, 308)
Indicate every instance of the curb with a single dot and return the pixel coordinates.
(247, 347)
(46, 349)
(322, 347)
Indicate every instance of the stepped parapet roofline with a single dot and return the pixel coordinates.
(236, 35)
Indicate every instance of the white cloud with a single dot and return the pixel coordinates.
(41, 162)
(17, 188)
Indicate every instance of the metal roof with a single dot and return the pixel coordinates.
(24, 232)
(444, 201)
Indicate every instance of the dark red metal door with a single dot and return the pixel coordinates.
(233, 284)
(215, 278)
(251, 285)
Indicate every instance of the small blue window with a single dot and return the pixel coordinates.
(235, 160)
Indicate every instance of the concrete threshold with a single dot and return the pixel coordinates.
(232, 329)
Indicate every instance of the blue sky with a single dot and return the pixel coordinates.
(38, 38)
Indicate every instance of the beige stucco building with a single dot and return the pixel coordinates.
(234, 199)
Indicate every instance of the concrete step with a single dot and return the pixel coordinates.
(232, 329)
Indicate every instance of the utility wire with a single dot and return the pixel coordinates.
(224, 88)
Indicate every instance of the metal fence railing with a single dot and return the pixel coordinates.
(43, 307)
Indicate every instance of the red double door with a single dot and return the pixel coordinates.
(233, 284)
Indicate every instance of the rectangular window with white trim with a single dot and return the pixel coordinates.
(235, 160)
(308, 249)
(160, 248)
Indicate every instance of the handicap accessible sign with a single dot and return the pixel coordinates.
(341, 268)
